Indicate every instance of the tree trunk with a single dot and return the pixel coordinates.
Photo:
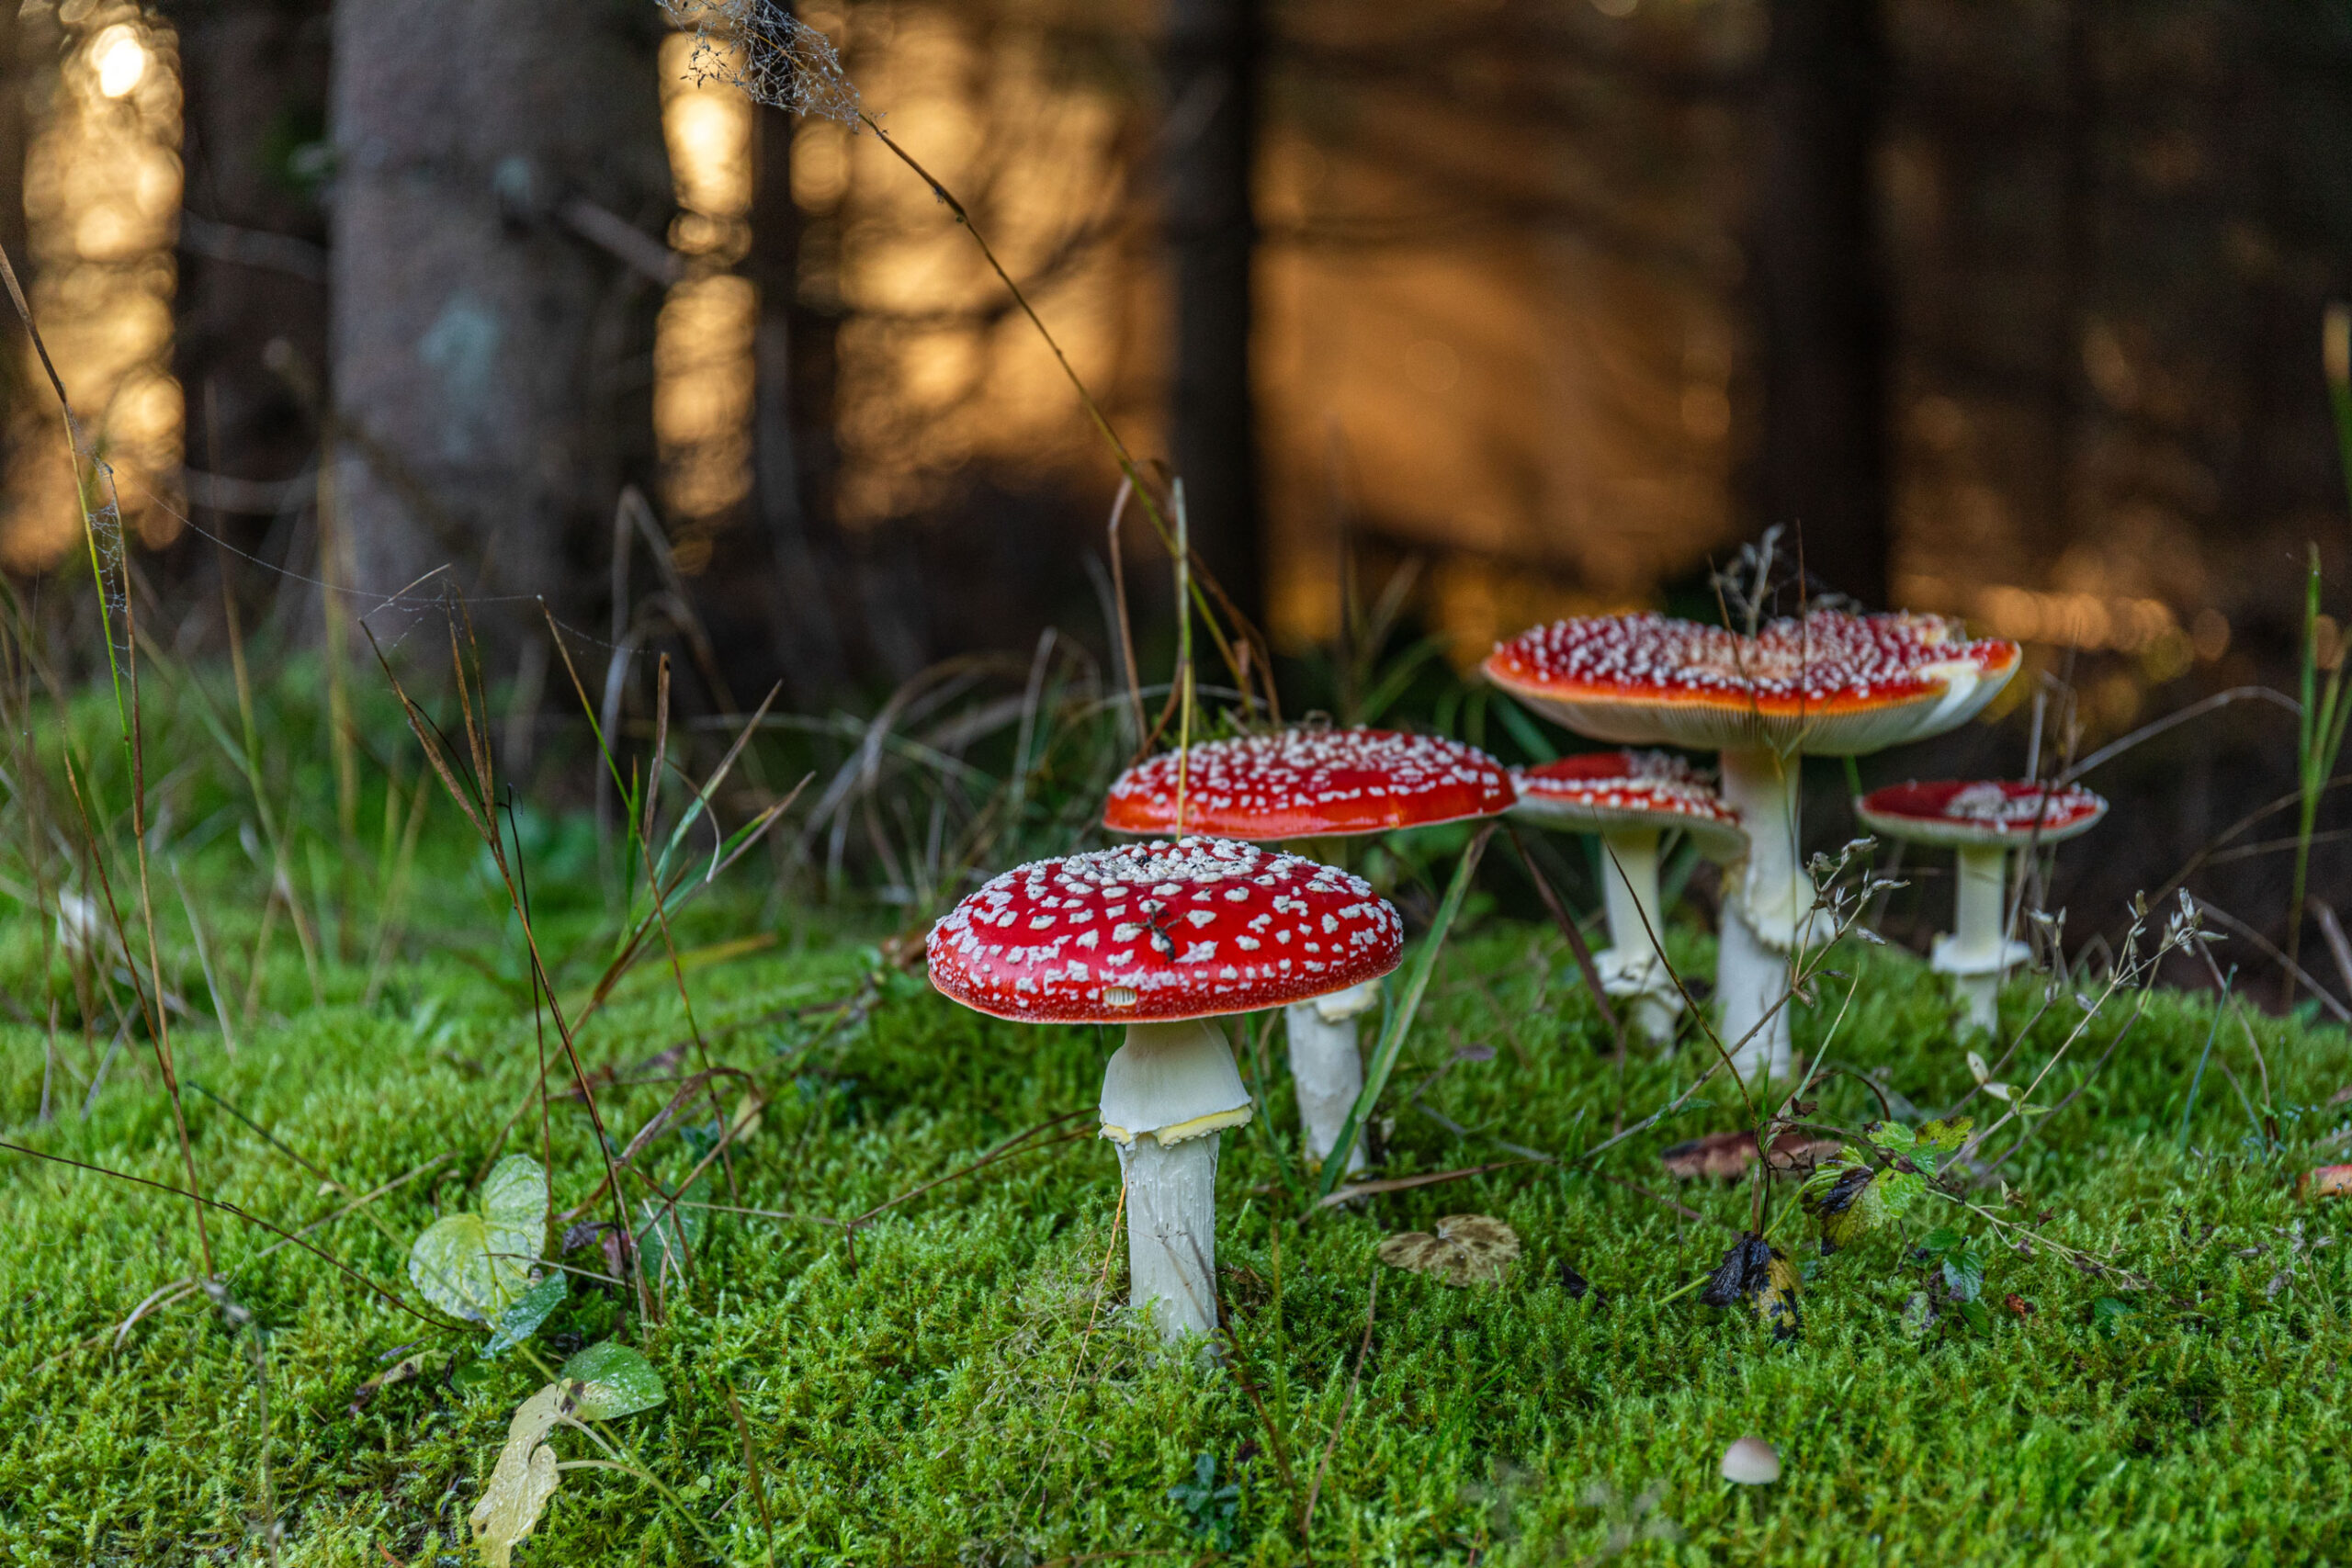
(478, 345)
(1214, 48)
(1823, 465)
(793, 434)
(12, 74)
(252, 257)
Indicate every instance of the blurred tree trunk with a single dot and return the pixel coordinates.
(793, 431)
(1215, 55)
(252, 257)
(12, 138)
(1823, 464)
(478, 345)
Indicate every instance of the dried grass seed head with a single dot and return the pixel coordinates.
(761, 49)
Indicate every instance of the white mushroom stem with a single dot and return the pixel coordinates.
(1325, 1067)
(1634, 968)
(1768, 899)
(1979, 952)
(1168, 1092)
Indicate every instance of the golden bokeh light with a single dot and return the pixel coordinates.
(102, 199)
(2088, 621)
(120, 59)
(703, 376)
(937, 376)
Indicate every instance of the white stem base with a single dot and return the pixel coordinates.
(1751, 980)
(1980, 1001)
(1171, 1233)
(1653, 1017)
(1634, 971)
(1978, 953)
(1327, 1074)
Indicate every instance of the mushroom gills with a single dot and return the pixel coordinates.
(1325, 1067)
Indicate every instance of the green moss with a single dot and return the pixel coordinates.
(962, 1393)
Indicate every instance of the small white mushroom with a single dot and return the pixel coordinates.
(1751, 1461)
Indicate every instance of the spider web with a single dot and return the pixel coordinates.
(102, 516)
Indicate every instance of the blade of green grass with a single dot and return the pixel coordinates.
(1399, 1019)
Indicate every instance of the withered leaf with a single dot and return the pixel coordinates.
(1753, 1271)
(1461, 1250)
(1578, 1287)
(2326, 1181)
(524, 1478)
(1727, 1155)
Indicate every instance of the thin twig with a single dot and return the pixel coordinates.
(390, 1297)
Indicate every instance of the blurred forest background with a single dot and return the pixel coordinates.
(1520, 307)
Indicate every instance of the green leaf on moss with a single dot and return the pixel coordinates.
(522, 1319)
(475, 1266)
(613, 1380)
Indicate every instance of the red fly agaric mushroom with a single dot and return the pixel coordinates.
(1982, 821)
(1162, 937)
(1631, 798)
(1829, 682)
(1313, 783)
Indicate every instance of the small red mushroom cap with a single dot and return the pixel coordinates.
(1162, 931)
(1952, 813)
(1628, 789)
(1303, 783)
(1831, 683)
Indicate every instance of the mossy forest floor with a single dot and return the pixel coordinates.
(964, 1390)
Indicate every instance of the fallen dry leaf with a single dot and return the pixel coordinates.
(1727, 1155)
(2326, 1182)
(524, 1478)
(2342, 1096)
(1462, 1249)
(1754, 1271)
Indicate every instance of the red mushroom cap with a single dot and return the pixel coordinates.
(1954, 812)
(1628, 789)
(1831, 682)
(1162, 931)
(1305, 783)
